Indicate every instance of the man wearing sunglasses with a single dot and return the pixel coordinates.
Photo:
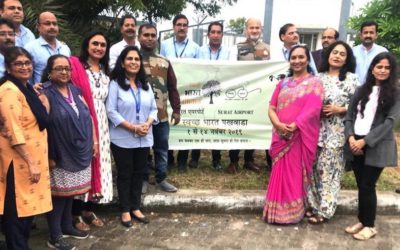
(45, 45)
(161, 77)
(128, 30)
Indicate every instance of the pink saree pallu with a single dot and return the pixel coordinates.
(298, 101)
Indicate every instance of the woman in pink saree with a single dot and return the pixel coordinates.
(294, 111)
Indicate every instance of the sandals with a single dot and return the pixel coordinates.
(92, 219)
(309, 214)
(316, 220)
(354, 229)
(80, 224)
(365, 234)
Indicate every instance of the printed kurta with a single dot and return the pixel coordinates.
(329, 166)
(19, 126)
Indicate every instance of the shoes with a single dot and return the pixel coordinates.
(232, 168)
(182, 167)
(75, 233)
(145, 187)
(127, 224)
(80, 224)
(249, 165)
(143, 219)
(166, 187)
(193, 164)
(217, 165)
(365, 234)
(92, 219)
(398, 190)
(60, 244)
(354, 229)
(316, 220)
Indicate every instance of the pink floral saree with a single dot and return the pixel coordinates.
(298, 101)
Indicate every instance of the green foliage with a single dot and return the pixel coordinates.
(237, 25)
(386, 14)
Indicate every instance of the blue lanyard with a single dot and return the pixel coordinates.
(219, 51)
(137, 100)
(176, 53)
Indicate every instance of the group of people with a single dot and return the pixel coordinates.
(345, 114)
(63, 116)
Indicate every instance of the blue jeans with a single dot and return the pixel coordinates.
(160, 148)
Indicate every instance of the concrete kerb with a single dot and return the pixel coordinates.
(247, 201)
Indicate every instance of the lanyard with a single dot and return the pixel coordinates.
(50, 51)
(137, 100)
(219, 51)
(176, 53)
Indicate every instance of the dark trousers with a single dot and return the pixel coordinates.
(16, 229)
(131, 167)
(60, 218)
(366, 177)
(216, 155)
(234, 155)
(79, 205)
(183, 156)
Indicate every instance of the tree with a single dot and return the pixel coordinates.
(237, 25)
(211, 88)
(386, 14)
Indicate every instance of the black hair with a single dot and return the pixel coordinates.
(118, 74)
(336, 35)
(84, 56)
(127, 16)
(215, 24)
(147, 26)
(11, 54)
(7, 22)
(283, 29)
(388, 88)
(369, 23)
(179, 16)
(349, 65)
(307, 51)
(49, 66)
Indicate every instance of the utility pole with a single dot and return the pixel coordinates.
(267, 29)
(344, 16)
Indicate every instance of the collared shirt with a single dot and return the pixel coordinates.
(284, 56)
(24, 37)
(41, 50)
(364, 58)
(121, 106)
(205, 52)
(171, 48)
(2, 66)
(116, 50)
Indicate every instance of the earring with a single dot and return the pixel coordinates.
(49, 77)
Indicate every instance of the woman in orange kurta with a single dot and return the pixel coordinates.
(24, 169)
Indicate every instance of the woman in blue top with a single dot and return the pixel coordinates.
(131, 109)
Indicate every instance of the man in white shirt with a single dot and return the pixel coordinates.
(367, 50)
(128, 30)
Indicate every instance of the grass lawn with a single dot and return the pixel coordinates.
(205, 177)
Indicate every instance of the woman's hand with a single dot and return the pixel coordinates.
(34, 172)
(52, 163)
(356, 146)
(331, 109)
(283, 130)
(142, 129)
(38, 87)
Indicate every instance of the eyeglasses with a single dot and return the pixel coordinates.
(9, 33)
(181, 25)
(19, 64)
(103, 45)
(149, 35)
(49, 23)
(62, 69)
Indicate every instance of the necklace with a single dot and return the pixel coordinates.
(96, 80)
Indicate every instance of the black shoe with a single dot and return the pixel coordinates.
(398, 190)
(143, 219)
(193, 164)
(59, 244)
(75, 233)
(217, 165)
(127, 224)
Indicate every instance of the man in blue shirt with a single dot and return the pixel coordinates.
(7, 40)
(45, 45)
(367, 50)
(179, 46)
(12, 10)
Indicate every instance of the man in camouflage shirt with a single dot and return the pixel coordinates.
(161, 77)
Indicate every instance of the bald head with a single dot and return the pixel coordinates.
(329, 36)
(253, 29)
(47, 26)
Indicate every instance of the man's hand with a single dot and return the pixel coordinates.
(175, 118)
